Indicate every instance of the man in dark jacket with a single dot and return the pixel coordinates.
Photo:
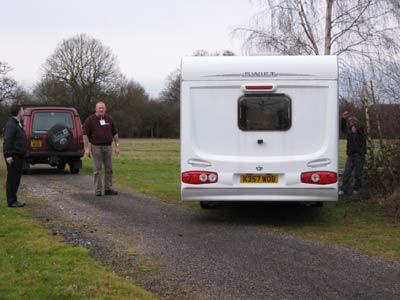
(14, 150)
(356, 150)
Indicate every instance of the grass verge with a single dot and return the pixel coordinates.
(37, 265)
(360, 225)
(151, 166)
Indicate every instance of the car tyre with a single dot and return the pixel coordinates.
(75, 166)
(26, 171)
(26, 168)
(73, 169)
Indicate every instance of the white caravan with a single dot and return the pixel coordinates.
(259, 128)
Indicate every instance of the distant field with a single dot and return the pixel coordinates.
(150, 166)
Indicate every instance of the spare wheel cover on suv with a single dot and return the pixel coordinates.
(59, 137)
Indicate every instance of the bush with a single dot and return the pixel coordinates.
(382, 174)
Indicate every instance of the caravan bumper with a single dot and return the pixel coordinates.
(261, 194)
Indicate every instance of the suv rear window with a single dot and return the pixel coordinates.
(43, 121)
(267, 112)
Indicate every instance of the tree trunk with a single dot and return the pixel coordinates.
(328, 27)
(383, 148)
(377, 117)
(367, 120)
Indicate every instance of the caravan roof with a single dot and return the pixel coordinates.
(206, 68)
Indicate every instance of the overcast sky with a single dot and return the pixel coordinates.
(149, 37)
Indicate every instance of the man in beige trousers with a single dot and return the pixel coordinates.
(100, 130)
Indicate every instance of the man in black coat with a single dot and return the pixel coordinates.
(14, 149)
(356, 150)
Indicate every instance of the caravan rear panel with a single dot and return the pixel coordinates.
(259, 128)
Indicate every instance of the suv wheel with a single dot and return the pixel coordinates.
(75, 166)
(74, 170)
(26, 168)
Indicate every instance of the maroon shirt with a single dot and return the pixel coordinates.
(100, 134)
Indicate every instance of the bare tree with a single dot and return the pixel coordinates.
(8, 85)
(79, 72)
(297, 27)
(202, 52)
(172, 90)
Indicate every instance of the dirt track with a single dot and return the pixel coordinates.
(218, 254)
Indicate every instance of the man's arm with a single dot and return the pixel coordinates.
(114, 131)
(116, 141)
(343, 122)
(86, 133)
(86, 145)
(9, 135)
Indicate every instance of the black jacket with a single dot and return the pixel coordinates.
(356, 142)
(14, 143)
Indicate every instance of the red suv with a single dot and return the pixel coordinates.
(54, 137)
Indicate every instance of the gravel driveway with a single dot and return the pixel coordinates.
(226, 253)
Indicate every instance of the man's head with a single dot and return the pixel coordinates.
(353, 124)
(17, 111)
(100, 109)
(352, 121)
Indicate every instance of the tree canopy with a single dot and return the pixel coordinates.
(331, 27)
(80, 72)
(8, 86)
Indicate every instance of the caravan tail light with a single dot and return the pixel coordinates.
(259, 87)
(199, 177)
(319, 177)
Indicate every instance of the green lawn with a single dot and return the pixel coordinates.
(37, 265)
(151, 166)
(358, 224)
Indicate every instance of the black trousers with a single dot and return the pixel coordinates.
(14, 173)
(353, 162)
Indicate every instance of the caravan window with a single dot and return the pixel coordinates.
(264, 112)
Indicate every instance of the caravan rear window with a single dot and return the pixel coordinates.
(265, 112)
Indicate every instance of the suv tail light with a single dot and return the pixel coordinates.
(319, 177)
(199, 177)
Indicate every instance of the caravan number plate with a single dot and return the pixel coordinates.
(259, 178)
